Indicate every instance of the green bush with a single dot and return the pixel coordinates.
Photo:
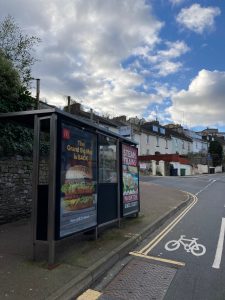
(18, 140)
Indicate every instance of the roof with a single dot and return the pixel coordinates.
(96, 118)
(148, 127)
(76, 109)
(27, 118)
(194, 135)
(179, 135)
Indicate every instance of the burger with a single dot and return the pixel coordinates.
(78, 189)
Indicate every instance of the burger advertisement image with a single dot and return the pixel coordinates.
(78, 180)
(130, 180)
(78, 189)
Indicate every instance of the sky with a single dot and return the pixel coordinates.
(159, 59)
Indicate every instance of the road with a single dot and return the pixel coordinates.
(185, 260)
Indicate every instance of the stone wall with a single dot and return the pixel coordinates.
(16, 187)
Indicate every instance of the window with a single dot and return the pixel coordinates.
(155, 128)
(202, 146)
(147, 152)
(166, 144)
(157, 141)
(148, 139)
(183, 144)
(107, 160)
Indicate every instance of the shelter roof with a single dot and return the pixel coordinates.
(27, 118)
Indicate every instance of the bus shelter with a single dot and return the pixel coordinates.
(93, 177)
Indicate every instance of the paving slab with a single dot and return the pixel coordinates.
(81, 259)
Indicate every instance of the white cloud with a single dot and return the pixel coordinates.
(197, 18)
(203, 103)
(84, 45)
(168, 67)
(165, 61)
(175, 49)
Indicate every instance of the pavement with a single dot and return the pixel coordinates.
(81, 259)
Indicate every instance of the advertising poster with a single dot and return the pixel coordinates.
(78, 180)
(130, 180)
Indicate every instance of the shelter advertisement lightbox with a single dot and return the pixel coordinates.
(130, 180)
(78, 209)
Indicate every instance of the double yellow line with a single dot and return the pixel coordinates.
(147, 248)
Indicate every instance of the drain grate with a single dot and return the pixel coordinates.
(140, 280)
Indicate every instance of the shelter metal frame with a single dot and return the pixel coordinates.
(33, 119)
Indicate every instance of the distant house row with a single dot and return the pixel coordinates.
(152, 138)
(168, 143)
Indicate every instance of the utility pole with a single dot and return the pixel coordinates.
(69, 101)
(37, 92)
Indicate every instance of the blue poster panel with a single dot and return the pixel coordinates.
(130, 180)
(78, 209)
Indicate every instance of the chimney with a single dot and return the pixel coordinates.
(91, 114)
(75, 108)
(121, 118)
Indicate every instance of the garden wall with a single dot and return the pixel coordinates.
(16, 187)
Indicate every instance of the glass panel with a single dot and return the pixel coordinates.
(162, 131)
(44, 152)
(107, 160)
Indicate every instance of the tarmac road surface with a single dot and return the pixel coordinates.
(185, 259)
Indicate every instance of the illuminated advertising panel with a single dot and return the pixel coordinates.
(130, 180)
(78, 179)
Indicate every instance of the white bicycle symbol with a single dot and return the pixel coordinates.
(190, 245)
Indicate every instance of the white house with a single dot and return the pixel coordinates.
(181, 144)
(155, 139)
(198, 144)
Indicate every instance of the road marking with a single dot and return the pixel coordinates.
(205, 187)
(219, 250)
(169, 261)
(190, 245)
(168, 226)
(90, 295)
(145, 250)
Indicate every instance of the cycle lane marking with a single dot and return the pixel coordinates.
(145, 250)
(219, 249)
(164, 232)
(190, 245)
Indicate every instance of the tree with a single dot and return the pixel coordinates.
(18, 47)
(9, 84)
(216, 152)
(13, 95)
